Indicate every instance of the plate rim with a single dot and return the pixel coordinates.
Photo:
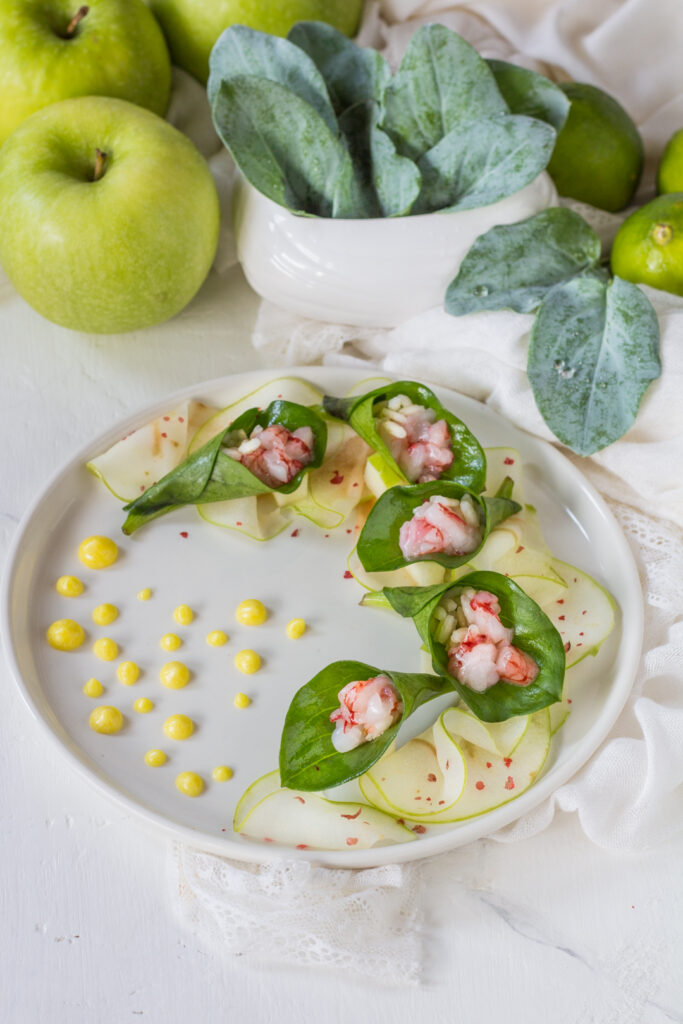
(431, 846)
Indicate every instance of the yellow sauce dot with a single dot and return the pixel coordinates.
(170, 642)
(190, 783)
(65, 635)
(97, 552)
(222, 773)
(143, 705)
(144, 594)
(183, 615)
(174, 675)
(105, 649)
(178, 727)
(105, 614)
(154, 758)
(128, 673)
(69, 586)
(93, 688)
(241, 700)
(247, 662)
(296, 628)
(106, 720)
(216, 638)
(251, 612)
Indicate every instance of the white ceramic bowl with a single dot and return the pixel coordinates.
(369, 273)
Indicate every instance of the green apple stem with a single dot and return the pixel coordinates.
(75, 21)
(100, 164)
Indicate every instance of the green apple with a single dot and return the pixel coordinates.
(193, 26)
(52, 50)
(109, 215)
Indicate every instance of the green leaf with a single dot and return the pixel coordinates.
(378, 544)
(442, 84)
(515, 265)
(469, 462)
(592, 354)
(351, 73)
(390, 183)
(480, 163)
(209, 474)
(244, 51)
(258, 120)
(527, 92)
(534, 634)
(308, 760)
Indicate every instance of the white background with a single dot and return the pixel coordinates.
(547, 931)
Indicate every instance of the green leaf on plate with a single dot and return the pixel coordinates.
(257, 119)
(352, 74)
(481, 162)
(442, 84)
(390, 183)
(308, 760)
(209, 474)
(469, 462)
(513, 266)
(594, 350)
(378, 545)
(244, 51)
(534, 634)
(527, 92)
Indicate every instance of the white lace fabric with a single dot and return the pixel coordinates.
(629, 795)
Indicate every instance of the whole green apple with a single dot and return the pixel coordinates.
(193, 26)
(52, 50)
(109, 216)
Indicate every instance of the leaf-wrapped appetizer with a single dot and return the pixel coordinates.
(497, 648)
(345, 718)
(440, 522)
(260, 452)
(416, 436)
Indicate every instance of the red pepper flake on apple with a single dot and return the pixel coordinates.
(479, 785)
(181, 419)
(431, 777)
(267, 839)
(488, 764)
(569, 700)
(294, 533)
(510, 784)
(508, 461)
(167, 419)
(441, 802)
(520, 548)
(238, 522)
(348, 575)
(561, 617)
(507, 761)
(184, 534)
(351, 817)
(337, 478)
(560, 600)
(301, 846)
(351, 840)
(300, 799)
(420, 829)
(164, 434)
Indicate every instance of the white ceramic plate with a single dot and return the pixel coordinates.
(212, 570)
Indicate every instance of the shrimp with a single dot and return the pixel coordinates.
(368, 707)
(440, 526)
(274, 454)
(418, 442)
(514, 666)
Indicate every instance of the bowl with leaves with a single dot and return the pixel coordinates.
(361, 190)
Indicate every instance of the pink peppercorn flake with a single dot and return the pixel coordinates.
(348, 575)
(356, 484)
(441, 802)
(583, 612)
(351, 840)
(520, 548)
(348, 531)
(337, 478)
(166, 419)
(560, 600)
(181, 419)
(351, 817)
(420, 829)
(507, 761)
(267, 839)
(569, 700)
(238, 522)
(301, 846)
(580, 634)
(510, 784)
(508, 461)
(294, 533)
(561, 618)
(431, 777)
(488, 764)
(184, 534)
(300, 799)
(567, 646)
(479, 785)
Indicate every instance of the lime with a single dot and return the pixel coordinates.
(670, 171)
(598, 156)
(648, 248)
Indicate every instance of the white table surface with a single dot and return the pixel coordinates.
(549, 931)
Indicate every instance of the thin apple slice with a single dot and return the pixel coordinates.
(422, 780)
(258, 517)
(496, 737)
(559, 713)
(336, 487)
(141, 458)
(374, 581)
(502, 463)
(584, 614)
(380, 476)
(310, 821)
(292, 389)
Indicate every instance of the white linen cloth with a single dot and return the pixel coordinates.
(630, 794)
